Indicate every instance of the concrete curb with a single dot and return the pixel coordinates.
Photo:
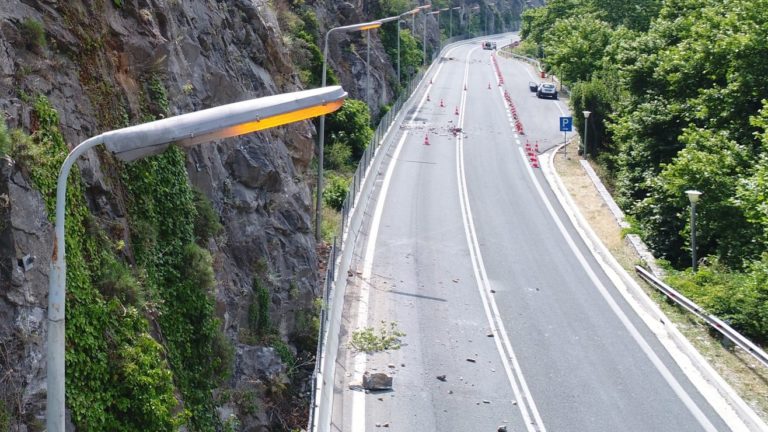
(731, 407)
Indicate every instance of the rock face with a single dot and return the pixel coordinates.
(93, 65)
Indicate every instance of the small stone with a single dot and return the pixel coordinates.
(502, 428)
(450, 391)
(486, 401)
(381, 399)
(441, 378)
(493, 291)
(391, 366)
(402, 364)
(378, 424)
(514, 402)
(471, 360)
(490, 335)
(386, 425)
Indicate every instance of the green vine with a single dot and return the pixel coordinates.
(179, 274)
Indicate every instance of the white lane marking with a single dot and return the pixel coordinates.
(647, 350)
(522, 394)
(358, 398)
(557, 104)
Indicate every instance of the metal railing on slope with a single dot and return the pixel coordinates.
(715, 322)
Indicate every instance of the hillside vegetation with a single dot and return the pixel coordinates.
(679, 95)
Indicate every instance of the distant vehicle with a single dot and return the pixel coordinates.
(547, 90)
(488, 45)
(533, 86)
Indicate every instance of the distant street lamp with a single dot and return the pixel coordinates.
(321, 139)
(147, 139)
(693, 197)
(439, 42)
(586, 126)
(412, 13)
(450, 21)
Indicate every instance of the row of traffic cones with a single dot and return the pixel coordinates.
(513, 109)
(532, 153)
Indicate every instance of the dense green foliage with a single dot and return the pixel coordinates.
(351, 126)
(679, 92)
(179, 278)
(335, 191)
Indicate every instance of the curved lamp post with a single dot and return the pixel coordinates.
(693, 197)
(147, 139)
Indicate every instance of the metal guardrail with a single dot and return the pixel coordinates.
(716, 323)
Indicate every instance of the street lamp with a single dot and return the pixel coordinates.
(321, 139)
(693, 197)
(147, 139)
(439, 42)
(450, 21)
(586, 124)
(412, 13)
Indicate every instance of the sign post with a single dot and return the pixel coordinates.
(566, 125)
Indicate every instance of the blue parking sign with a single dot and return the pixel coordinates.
(566, 124)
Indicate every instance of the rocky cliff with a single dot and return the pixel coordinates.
(191, 275)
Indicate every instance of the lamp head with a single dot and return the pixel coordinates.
(135, 142)
(693, 195)
(586, 114)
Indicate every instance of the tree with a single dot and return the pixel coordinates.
(351, 125)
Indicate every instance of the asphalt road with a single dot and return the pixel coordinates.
(469, 253)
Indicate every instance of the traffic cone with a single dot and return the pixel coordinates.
(426, 139)
(465, 87)
(428, 99)
(536, 148)
(456, 111)
(489, 85)
(430, 81)
(441, 103)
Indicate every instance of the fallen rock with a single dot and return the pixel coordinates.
(377, 381)
(471, 360)
(441, 378)
(502, 428)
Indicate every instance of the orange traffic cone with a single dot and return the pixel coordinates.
(428, 99)
(441, 103)
(426, 139)
(456, 111)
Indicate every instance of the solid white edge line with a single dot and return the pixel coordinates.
(357, 421)
(647, 350)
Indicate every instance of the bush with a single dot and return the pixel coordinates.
(335, 191)
(117, 281)
(739, 298)
(199, 267)
(34, 34)
(207, 223)
(258, 311)
(339, 156)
